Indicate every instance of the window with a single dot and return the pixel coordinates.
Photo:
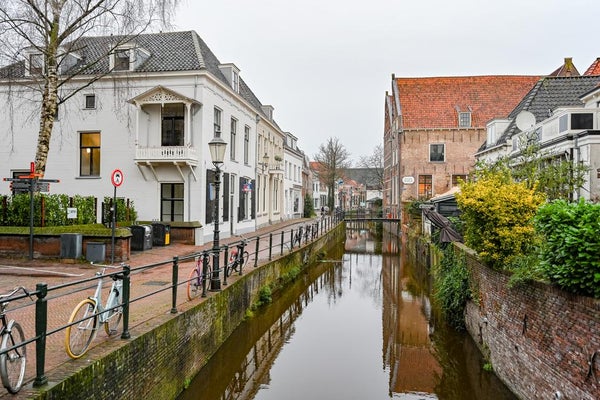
(172, 124)
(217, 122)
(232, 138)
(36, 64)
(425, 186)
(456, 179)
(582, 121)
(171, 202)
(90, 101)
(236, 82)
(436, 153)
(246, 143)
(121, 60)
(89, 154)
(464, 119)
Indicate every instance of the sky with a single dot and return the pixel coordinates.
(325, 66)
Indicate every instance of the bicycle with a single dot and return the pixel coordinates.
(87, 316)
(13, 356)
(196, 283)
(238, 257)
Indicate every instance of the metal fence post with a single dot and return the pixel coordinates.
(291, 239)
(41, 324)
(256, 252)
(205, 276)
(282, 239)
(226, 264)
(175, 280)
(270, 244)
(126, 295)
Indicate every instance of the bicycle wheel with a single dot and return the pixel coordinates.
(194, 284)
(80, 335)
(12, 364)
(111, 325)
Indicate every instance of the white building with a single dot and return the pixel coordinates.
(162, 98)
(562, 116)
(292, 182)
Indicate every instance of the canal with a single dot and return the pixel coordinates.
(358, 325)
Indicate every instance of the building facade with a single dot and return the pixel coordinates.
(149, 109)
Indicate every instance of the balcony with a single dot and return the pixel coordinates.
(275, 168)
(167, 154)
(177, 156)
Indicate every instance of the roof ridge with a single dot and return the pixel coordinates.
(196, 40)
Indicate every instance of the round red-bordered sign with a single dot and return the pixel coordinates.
(116, 178)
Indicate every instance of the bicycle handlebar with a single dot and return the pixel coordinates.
(15, 290)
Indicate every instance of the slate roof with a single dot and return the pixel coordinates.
(548, 94)
(435, 102)
(168, 52)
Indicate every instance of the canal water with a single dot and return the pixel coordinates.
(359, 325)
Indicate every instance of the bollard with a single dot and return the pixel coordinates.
(282, 239)
(41, 324)
(175, 279)
(270, 244)
(126, 294)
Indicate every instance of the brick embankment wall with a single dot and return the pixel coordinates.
(541, 341)
(159, 362)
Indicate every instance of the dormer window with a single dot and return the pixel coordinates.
(235, 82)
(36, 64)
(464, 119)
(121, 60)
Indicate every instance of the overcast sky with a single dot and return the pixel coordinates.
(325, 65)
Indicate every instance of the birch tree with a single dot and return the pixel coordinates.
(333, 159)
(52, 29)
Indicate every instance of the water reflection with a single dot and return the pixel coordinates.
(359, 326)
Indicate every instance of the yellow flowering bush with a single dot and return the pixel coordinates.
(498, 215)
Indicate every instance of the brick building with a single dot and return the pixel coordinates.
(435, 125)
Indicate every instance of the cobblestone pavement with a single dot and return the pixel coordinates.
(23, 272)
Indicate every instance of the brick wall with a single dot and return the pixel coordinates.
(539, 339)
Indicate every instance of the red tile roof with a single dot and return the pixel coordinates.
(435, 102)
(594, 69)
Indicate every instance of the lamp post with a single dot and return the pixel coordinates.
(217, 153)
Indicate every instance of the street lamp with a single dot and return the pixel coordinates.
(217, 153)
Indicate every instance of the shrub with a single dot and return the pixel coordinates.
(571, 245)
(498, 215)
(451, 287)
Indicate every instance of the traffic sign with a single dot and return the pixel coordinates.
(116, 178)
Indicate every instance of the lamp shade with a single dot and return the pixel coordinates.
(217, 150)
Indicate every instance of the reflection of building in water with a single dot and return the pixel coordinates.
(254, 370)
(407, 350)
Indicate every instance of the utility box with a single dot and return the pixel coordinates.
(95, 252)
(70, 245)
(141, 237)
(161, 234)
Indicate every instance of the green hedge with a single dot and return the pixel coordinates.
(570, 253)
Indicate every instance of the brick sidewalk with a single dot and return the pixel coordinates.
(22, 272)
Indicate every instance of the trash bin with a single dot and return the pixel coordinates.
(70, 245)
(141, 237)
(95, 252)
(161, 234)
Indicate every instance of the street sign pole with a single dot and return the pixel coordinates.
(116, 179)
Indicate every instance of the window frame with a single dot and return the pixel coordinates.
(86, 105)
(233, 138)
(464, 119)
(95, 156)
(217, 115)
(173, 201)
(246, 144)
(432, 153)
(34, 60)
(425, 186)
(173, 119)
(118, 59)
